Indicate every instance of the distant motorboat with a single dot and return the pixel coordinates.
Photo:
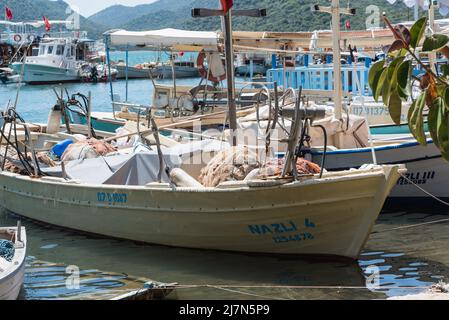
(251, 64)
(97, 73)
(59, 60)
(139, 71)
(245, 70)
(183, 69)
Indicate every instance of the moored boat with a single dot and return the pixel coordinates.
(13, 244)
(426, 169)
(329, 216)
(59, 60)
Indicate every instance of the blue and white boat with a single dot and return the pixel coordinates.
(59, 60)
(427, 174)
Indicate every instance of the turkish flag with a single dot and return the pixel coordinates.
(226, 5)
(348, 24)
(8, 13)
(47, 24)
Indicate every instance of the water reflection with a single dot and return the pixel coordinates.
(257, 276)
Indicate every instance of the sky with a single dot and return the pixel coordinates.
(89, 7)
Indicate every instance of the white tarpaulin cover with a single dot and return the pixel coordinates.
(164, 38)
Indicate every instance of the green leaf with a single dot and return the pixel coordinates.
(446, 98)
(386, 90)
(445, 69)
(404, 78)
(433, 118)
(391, 83)
(416, 119)
(435, 42)
(443, 134)
(417, 32)
(395, 107)
(380, 84)
(374, 76)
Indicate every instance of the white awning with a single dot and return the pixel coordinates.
(163, 39)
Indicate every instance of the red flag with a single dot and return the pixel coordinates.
(8, 13)
(47, 24)
(348, 24)
(226, 5)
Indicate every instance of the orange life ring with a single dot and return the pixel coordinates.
(17, 38)
(204, 72)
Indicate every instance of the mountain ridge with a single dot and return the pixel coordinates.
(117, 15)
(283, 15)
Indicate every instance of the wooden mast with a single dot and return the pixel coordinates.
(229, 52)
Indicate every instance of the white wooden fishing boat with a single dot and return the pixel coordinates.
(12, 272)
(329, 216)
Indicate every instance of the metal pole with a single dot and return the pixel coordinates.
(229, 51)
(89, 115)
(432, 25)
(126, 72)
(337, 56)
(108, 57)
(173, 71)
(251, 69)
(416, 13)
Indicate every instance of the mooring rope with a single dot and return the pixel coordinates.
(222, 287)
(425, 191)
(247, 293)
(418, 224)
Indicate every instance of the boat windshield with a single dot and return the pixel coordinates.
(59, 50)
(42, 50)
(50, 50)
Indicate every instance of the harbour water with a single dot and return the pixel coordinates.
(35, 101)
(408, 260)
(408, 263)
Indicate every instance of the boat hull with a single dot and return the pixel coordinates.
(11, 286)
(11, 282)
(42, 74)
(246, 70)
(135, 73)
(165, 72)
(288, 219)
(425, 168)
